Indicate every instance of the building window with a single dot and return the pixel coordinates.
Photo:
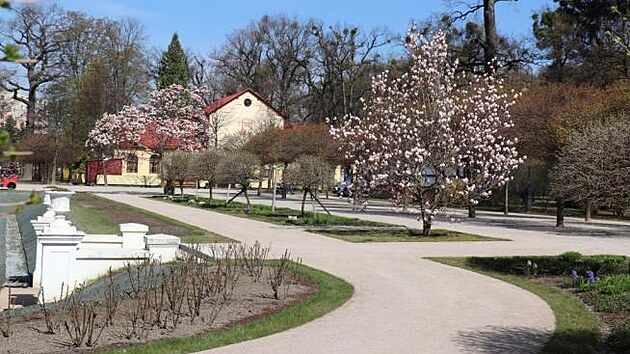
(154, 164)
(132, 163)
(247, 126)
(247, 102)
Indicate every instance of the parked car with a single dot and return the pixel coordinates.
(343, 189)
(283, 188)
(9, 177)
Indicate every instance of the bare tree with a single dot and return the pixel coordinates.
(271, 56)
(37, 30)
(310, 173)
(594, 166)
(175, 166)
(206, 165)
(240, 168)
(345, 60)
(217, 121)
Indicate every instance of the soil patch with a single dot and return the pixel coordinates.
(252, 299)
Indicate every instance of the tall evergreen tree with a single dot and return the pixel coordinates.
(173, 67)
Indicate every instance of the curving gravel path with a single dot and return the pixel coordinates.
(403, 303)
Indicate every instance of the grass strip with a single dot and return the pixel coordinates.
(332, 292)
(279, 216)
(408, 235)
(577, 330)
(97, 215)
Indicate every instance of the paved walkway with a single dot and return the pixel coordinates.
(403, 303)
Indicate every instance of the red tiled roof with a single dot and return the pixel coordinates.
(216, 105)
(149, 140)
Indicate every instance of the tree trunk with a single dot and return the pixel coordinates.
(260, 180)
(53, 176)
(506, 199)
(273, 188)
(559, 213)
(472, 211)
(304, 200)
(427, 219)
(490, 27)
(104, 172)
(209, 190)
(249, 205)
(31, 112)
(181, 187)
(589, 208)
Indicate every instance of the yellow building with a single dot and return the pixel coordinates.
(243, 112)
(240, 113)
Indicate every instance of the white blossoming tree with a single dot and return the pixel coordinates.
(486, 157)
(431, 133)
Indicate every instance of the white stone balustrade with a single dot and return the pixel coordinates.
(70, 257)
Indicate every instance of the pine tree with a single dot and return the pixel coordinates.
(173, 67)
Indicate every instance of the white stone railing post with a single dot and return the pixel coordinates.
(161, 246)
(133, 236)
(57, 246)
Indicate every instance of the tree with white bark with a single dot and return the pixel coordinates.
(431, 133)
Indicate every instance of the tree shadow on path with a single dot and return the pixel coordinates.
(522, 340)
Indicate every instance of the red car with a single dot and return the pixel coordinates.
(9, 177)
(9, 182)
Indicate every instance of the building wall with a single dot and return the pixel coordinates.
(141, 178)
(238, 117)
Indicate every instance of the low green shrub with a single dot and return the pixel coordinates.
(609, 303)
(555, 265)
(613, 284)
(619, 339)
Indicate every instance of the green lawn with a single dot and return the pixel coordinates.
(332, 292)
(264, 213)
(577, 330)
(98, 215)
(404, 235)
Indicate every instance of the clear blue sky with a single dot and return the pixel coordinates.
(203, 24)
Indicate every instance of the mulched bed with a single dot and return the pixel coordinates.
(251, 300)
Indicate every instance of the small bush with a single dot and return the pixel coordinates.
(609, 303)
(614, 284)
(619, 339)
(555, 265)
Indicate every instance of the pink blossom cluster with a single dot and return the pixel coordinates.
(432, 132)
(172, 118)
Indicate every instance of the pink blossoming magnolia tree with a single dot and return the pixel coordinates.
(174, 118)
(431, 134)
(171, 119)
(114, 132)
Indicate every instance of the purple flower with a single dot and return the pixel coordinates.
(590, 277)
(574, 274)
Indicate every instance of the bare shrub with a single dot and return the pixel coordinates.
(252, 259)
(82, 320)
(281, 273)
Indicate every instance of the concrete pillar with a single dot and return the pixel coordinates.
(56, 258)
(133, 236)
